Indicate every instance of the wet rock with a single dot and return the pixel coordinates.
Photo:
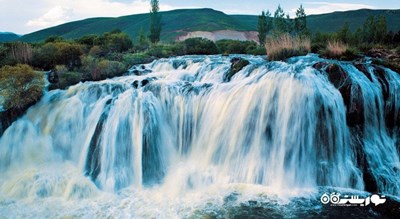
(139, 70)
(351, 93)
(178, 63)
(237, 65)
(392, 116)
(320, 65)
(135, 84)
(136, 72)
(142, 83)
(380, 75)
(362, 68)
(52, 77)
(145, 82)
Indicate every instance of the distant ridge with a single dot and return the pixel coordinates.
(8, 36)
(203, 20)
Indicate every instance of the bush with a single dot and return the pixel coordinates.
(20, 86)
(5, 58)
(68, 54)
(236, 46)
(96, 69)
(58, 53)
(256, 51)
(318, 47)
(95, 51)
(136, 58)
(44, 57)
(66, 78)
(335, 49)
(157, 51)
(199, 46)
(285, 46)
(117, 42)
(350, 54)
(398, 50)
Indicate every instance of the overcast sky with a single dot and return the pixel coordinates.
(25, 16)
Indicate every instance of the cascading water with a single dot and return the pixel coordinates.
(176, 139)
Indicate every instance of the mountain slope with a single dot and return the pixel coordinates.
(7, 36)
(180, 22)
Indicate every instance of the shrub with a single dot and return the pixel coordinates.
(398, 50)
(5, 58)
(95, 51)
(236, 46)
(20, 86)
(157, 51)
(318, 47)
(350, 54)
(117, 42)
(256, 51)
(68, 54)
(136, 58)
(66, 78)
(285, 46)
(58, 53)
(44, 56)
(89, 40)
(199, 46)
(109, 69)
(335, 49)
(96, 69)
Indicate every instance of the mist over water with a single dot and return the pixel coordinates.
(178, 140)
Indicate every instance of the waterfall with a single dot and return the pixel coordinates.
(175, 126)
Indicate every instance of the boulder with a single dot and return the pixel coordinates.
(351, 93)
(237, 65)
(52, 77)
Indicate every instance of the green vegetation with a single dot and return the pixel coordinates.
(199, 46)
(288, 37)
(100, 54)
(285, 46)
(7, 37)
(155, 22)
(238, 47)
(300, 22)
(20, 86)
(264, 26)
(204, 20)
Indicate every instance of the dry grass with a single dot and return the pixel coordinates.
(335, 49)
(286, 46)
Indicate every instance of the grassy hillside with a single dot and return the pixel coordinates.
(7, 36)
(177, 22)
(333, 21)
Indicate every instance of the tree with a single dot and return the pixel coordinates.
(369, 29)
(20, 86)
(142, 41)
(288, 24)
(155, 22)
(344, 34)
(264, 26)
(381, 29)
(279, 21)
(117, 42)
(300, 22)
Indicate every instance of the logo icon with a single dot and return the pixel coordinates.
(336, 200)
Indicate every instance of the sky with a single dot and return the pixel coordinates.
(25, 16)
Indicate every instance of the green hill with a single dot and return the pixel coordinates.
(178, 22)
(7, 36)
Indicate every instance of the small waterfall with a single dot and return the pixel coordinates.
(175, 126)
